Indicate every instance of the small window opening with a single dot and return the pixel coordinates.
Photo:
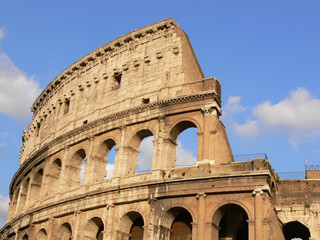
(66, 105)
(145, 100)
(38, 129)
(117, 79)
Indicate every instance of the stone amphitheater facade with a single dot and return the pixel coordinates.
(145, 83)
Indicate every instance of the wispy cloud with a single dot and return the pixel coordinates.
(3, 144)
(185, 157)
(250, 129)
(145, 156)
(109, 168)
(4, 207)
(296, 116)
(2, 33)
(17, 90)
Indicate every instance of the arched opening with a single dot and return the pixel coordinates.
(14, 203)
(104, 160)
(296, 230)
(134, 165)
(52, 178)
(42, 235)
(110, 162)
(94, 229)
(36, 186)
(176, 224)
(145, 155)
(136, 231)
(64, 232)
(232, 221)
(131, 226)
(184, 143)
(73, 169)
(23, 195)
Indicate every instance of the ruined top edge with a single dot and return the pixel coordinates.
(167, 23)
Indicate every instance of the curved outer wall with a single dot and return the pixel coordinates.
(145, 83)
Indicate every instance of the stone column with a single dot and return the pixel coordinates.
(211, 112)
(120, 161)
(109, 228)
(89, 169)
(258, 213)
(63, 183)
(76, 233)
(194, 231)
(251, 230)
(201, 215)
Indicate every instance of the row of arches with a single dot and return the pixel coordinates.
(177, 223)
(106, 159)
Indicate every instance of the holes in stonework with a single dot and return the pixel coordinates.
(66, 106)
(38, 129)
(117, 80)
(145, 100)
(85, 122)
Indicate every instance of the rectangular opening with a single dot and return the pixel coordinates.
(145, 100)
(117, 80)
(66, 106)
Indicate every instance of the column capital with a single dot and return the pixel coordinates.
(257, 192)
(201, 195)
(122, 127)
(91, 138)
(211, 108)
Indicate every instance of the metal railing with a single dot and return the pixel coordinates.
(248, 157)
(312, 167)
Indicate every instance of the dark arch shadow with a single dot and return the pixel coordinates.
(296, 229)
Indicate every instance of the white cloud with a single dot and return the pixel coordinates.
(184, 157)
(232, 106)
(299, 113)
(17, 90)
(249, 129)
(109, 168)
(145, 156)
(81, 175)
(4, 206)
(297, 116)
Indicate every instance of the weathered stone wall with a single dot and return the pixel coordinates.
(146, 66)
(299, 200)
(145, 83)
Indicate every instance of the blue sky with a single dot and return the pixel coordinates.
(266, 55)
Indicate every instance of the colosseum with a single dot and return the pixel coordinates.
(146, 83)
